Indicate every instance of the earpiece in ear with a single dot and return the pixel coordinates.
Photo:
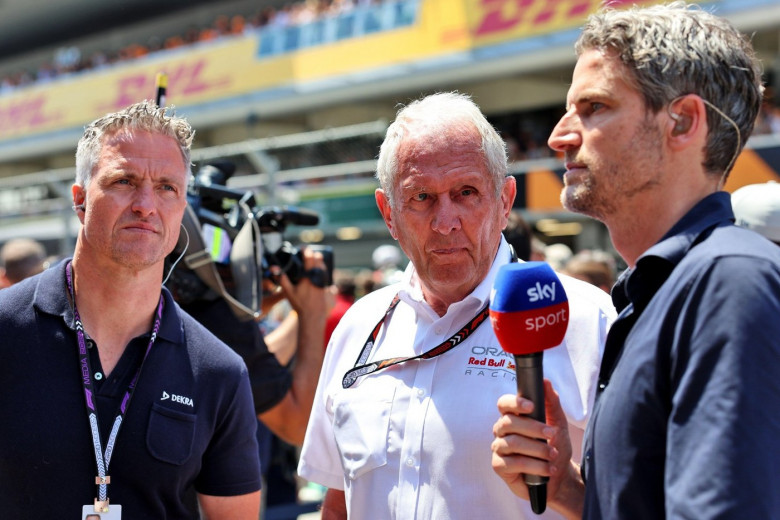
(682, 123)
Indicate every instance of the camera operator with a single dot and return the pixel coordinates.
(283, 389)
(283, 397)
(282, 394)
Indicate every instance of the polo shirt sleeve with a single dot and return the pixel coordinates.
(723, 437)
(231, 464)
(270, 381)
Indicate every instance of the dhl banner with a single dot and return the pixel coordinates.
(194, 76)
(496, 21)
(205, 75)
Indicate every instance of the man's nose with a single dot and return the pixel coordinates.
(566, 134)
(447, 216)
(144, 201)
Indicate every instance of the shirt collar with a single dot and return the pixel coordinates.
(713, 210)
(655, 265)
(51, 297)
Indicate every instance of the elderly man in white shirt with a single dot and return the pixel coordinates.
(410, 438)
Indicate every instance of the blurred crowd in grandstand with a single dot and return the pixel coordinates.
(70, 59)
(525, 137)
(768, 121)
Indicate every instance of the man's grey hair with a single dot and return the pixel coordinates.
(677, 49)
(444, 110)
(145, 115)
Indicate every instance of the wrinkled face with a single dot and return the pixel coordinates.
(135, 199)
(612, 146)
(446, 215)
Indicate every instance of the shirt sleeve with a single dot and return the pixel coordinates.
(231, 464)
(723, 437)
(270, 381)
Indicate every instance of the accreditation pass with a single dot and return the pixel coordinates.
(114, 512)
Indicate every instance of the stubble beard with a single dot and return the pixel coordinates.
(597, 196)
(587, 198)
(138, 256)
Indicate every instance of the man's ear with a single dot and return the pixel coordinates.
(508, 194)
(682, 123)
(687, 116)
(79, 200)
(78, 193)
(383, 203)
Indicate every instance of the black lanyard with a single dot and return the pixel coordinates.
(85, 368)
(361, 368)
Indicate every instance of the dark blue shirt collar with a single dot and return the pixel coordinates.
(51, 297)
(638, 285)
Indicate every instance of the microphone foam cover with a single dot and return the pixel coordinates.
(529, 309)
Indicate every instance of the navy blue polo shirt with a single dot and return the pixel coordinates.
(687, 419)
(190, 424)
(270, 381)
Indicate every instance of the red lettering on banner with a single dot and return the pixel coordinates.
(188, 80)
(185, 79)
(494, 20)
(132, 90)
(24, 115)
(503, 15)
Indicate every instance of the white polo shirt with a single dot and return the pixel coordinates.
(412, 441)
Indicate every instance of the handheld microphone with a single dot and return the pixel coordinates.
(529, 311)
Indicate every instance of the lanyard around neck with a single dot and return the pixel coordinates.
(85, 368)
(362, 368)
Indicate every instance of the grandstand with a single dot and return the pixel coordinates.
(298, 95)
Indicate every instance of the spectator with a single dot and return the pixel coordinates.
(519, 235)
(537, 250)
(557, 255)
(757, 207)
(20, 258)
(345, 297)
(387, 260)
(592, 266)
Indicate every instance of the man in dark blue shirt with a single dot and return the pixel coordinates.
(114, 401)
(687, 417)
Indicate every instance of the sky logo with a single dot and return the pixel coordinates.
(541, 292)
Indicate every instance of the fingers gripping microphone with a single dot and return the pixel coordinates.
(530, 312)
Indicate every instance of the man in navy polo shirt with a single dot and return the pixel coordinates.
(114, 401)
(687, 416)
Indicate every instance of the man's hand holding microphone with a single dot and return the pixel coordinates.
(532, 451)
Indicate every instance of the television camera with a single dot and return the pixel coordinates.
(229, 245)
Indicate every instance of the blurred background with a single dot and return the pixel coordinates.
(297, 95)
